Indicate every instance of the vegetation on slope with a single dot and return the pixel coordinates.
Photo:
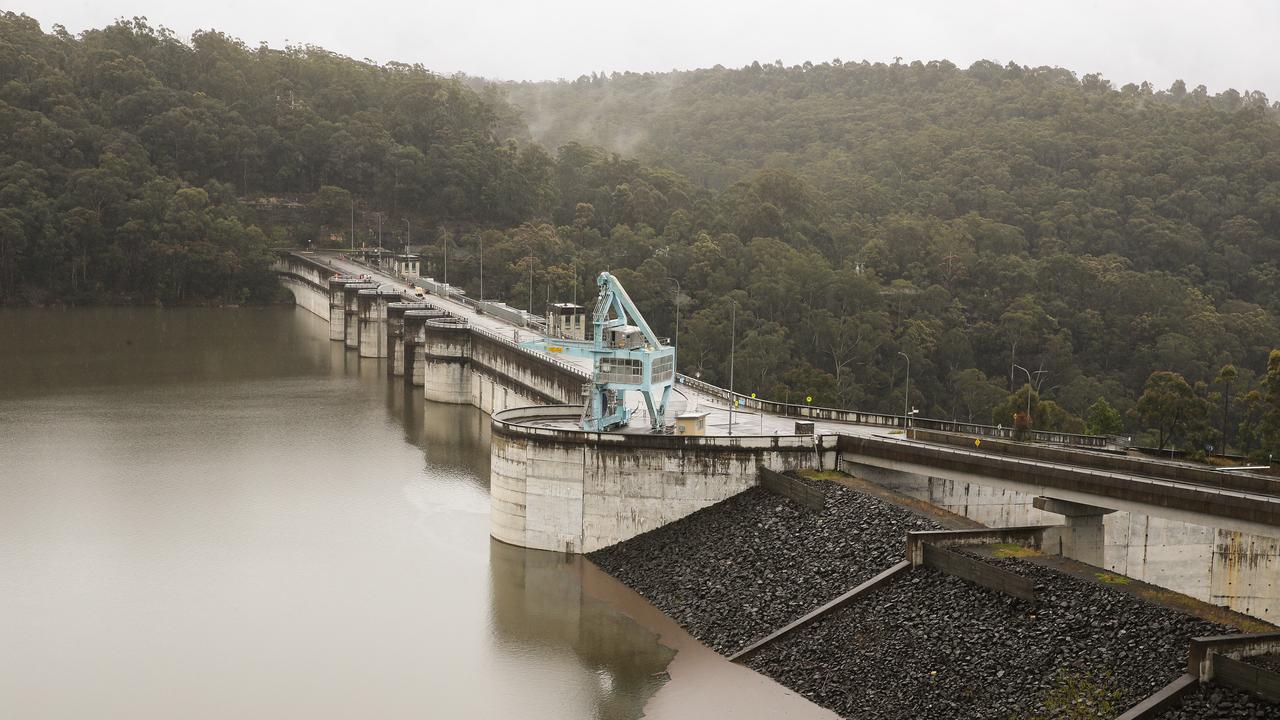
(1123, 246)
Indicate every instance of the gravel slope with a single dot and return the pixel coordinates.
(930, 645)
(742, 568)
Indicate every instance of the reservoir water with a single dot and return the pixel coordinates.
(212, 513)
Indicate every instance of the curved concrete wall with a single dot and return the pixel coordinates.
(306, 296)
(574, 491)
(446, 351)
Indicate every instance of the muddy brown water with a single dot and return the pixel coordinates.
(214, 513)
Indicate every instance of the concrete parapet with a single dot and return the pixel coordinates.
(1146, 467)
(561, 489)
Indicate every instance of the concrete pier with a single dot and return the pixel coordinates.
(446, 350)
(338, 306)
(372, 320)
(351, 312)
(395, 335)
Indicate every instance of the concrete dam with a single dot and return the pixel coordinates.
(555, 486)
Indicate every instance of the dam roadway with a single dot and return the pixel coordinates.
(1206, 533)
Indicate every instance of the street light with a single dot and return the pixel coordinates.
(408, 235)
(353, 221)
(481, 236)
(1030, 385)
(733, 342)
(530, 278)
(676, 348)
(906, 396)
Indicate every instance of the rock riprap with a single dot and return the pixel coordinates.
(1218, 702)
(930, 645)
(742, 568)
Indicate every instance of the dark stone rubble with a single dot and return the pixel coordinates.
(738, 570)
(930, 645)
(1216, 702)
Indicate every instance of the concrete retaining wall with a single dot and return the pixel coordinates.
(574, 491)
(809, 496)
(1238, 570)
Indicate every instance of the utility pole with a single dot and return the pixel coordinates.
(676, 349)
(444, 238)
(481, 236)
(906, 396)
(530, 278)
(1030, 386)
(733, 343)
(408, 235)
(353, 221)
(379, 232)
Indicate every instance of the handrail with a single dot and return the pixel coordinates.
(859, 417)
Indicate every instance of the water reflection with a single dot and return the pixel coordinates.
(221, 513)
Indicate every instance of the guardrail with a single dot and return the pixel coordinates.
(1181, 495)
(508, 342)
(856, 417)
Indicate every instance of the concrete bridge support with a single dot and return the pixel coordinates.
(338, 307)
(1085, 539)
(351, 312)
(372, 320)
(446, 351)
(395, 336)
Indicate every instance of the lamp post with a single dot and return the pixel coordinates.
(1030, 387)
(353, 221)
(676, 347)
(444, 240)
(408, 235)
(530, 278)
(733, 342)
(481, 237)
(906, 396)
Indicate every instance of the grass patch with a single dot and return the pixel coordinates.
(1012, 550)
(823, 474)
(1112, 578)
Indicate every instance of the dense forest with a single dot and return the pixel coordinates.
(1114, 253)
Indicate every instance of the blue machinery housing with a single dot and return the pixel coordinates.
(626, 355)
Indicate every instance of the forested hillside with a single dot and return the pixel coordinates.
(1123, 246)
(972, 218)
(125, 150)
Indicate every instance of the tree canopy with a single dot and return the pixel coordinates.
(1014, 231)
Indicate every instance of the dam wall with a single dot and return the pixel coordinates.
(554, 488)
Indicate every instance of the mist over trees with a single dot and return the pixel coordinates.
(1020, 233)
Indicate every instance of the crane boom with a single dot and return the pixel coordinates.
(626, 355)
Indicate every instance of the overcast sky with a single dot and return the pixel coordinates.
(1224, 43)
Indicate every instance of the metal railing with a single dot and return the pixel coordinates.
(856, 417)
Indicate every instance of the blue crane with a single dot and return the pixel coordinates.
(626, 355)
